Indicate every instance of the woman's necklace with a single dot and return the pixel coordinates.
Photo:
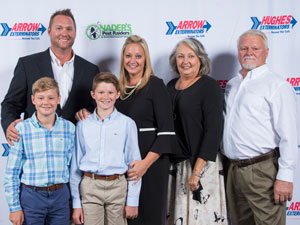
(133, 88)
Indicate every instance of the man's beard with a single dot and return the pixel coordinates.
(248, 66)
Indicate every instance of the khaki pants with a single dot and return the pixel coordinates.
(103, 201)
(251, 196)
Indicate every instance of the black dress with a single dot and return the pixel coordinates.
(151, 109)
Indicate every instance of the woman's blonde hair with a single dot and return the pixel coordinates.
(148, 71)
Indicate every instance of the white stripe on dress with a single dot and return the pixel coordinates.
(165, 133)
(147, 129)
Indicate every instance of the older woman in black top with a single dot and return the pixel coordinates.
(198, 195)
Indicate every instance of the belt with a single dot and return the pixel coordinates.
(246, 162)
(49, 188)
(100, 177)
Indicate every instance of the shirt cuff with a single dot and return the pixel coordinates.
(15, 208)
(76, 203)
(132, 201)
(285, 175)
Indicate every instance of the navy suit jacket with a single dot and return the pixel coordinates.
(32, 67)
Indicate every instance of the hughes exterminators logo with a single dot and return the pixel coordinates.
(95, 31)
(293, 210)
(294, 81)
(274, 24)
(23, 31)
(189, 28)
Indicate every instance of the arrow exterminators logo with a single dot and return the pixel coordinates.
(23, 31)
(190, 28)
(293, 210)
(295, 82)
(274, 24)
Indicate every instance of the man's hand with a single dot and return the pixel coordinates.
(131, 212)
(82, 114)
(11, 132)
(17, 217)
(283, 191)
(78, 215)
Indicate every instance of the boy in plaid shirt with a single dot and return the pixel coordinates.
(37, 170)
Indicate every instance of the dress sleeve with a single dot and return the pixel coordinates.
(166, 139)
(213, 122)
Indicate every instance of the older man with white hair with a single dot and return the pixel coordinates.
(260, 137)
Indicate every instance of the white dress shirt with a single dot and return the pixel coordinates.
(63, 76)
(261, 114)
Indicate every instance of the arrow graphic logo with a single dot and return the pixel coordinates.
(293, 22)
(42, 29)
(256, 23)
(6, 29)
(6, 150)
(207, 26)
(171, 28)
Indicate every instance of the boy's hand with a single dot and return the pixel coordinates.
(11, 132)
(78, 215)
(17, 217)
(82, 114)
(131, 212)
(137, 169)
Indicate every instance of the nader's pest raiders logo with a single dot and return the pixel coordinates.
(99, 30)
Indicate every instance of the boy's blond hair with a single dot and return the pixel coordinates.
(44, 84)
(106, 77)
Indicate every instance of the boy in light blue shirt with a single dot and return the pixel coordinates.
(106, 143)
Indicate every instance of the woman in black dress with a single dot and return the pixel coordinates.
(146, 100)
(197, 106)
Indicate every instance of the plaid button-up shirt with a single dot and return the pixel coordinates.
(41, 157)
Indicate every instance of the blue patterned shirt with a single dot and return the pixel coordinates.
(41, 157)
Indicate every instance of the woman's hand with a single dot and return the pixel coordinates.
(193, 182)
(137, 169)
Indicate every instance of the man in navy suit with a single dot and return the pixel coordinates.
(73, 74)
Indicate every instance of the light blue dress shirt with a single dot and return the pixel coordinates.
(105, 148)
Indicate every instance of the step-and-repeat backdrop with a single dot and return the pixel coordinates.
(102, 27)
